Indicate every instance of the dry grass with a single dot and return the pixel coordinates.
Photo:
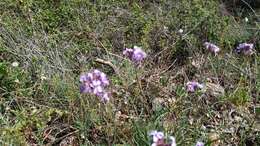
(55, 41)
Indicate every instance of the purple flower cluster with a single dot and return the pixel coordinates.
(245, 48)
(199, 143)
(159, 139)
(192, 86)
(212, 47)
(95, 82)
(136, 54)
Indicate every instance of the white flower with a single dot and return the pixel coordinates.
(212, 47)
(16, 81)
(246, 19)
(165, 28)
(43, 77)
(173, 142)
(180, 31)
(15, 64)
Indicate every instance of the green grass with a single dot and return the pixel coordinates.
(55, 41)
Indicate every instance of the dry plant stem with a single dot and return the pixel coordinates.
(69, 134)
(168, 67)
(106, 50)
(215, 72)
(116, 70)
(242, 71)
(139, 85)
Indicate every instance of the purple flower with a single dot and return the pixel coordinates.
(95, 83)
(105, 97)
(128, 52)
(159, 139)
(98, 90)
(82, 88)
(192, 86)
(245, 48)
(136, 54)
(104, 80)
(212, 47)
(199, 143)
(157, 135)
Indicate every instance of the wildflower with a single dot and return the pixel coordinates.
(246, 19)
(95, 83)
(105, 97)
(180, 31)
(199, 143)
(157, 135)
(128, 52)
(98, 90)
(104, 80)
(15, 64)
(212, 47)
(136, 54)
(245, 48)
(192, 86)
(85, 88)
(158, 138)
(173, 142)
(43, 77)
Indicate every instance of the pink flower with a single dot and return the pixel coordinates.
(212, 47)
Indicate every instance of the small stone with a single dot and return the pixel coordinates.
(214, 89)
(214, 138)
(158, 104)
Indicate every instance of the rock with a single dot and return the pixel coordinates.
(69, 141)
(160, 103)
(214, 138)
(215, 90)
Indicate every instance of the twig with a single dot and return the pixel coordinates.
(67, 135)
(109, 64)
(169, 67)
